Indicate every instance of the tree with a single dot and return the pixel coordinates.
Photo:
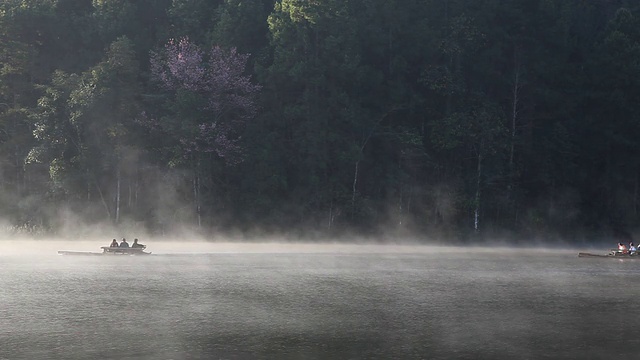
(242, 24)
(211, 101)
(609, 137)
(83, 118)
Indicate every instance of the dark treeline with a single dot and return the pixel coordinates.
(438, 118)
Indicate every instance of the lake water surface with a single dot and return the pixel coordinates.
(319, 302)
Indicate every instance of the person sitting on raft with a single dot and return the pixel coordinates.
(136, 244)
(622, 248)
(114, 243)
(632, 249)
(124, 243)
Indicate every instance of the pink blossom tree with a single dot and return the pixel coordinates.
(211, 99)
(225, 96)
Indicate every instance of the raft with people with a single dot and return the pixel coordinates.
(114, 249)
(622, 252)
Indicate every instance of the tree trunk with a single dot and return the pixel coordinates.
(514, 117)
(19, 172)
(330, 225)
(363, 144)
(102, 199)
(117, 195)
(400, 210)
(355, 182)
(514, 126)
(476, 212)
(196, 195)
(635, 196)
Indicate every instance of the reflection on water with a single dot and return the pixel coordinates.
(319, 305)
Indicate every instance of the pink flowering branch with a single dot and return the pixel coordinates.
(230, 95)
(179, 66)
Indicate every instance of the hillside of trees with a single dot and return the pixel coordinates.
(435, 119)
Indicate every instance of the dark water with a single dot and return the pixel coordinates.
(422, 305)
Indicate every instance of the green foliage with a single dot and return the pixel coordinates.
(382, 114)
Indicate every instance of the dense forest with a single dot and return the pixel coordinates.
(436, 119)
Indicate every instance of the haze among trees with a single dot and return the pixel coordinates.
(435, 119)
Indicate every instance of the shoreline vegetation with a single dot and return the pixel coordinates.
(442, 122)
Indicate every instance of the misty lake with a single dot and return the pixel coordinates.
(319, 302)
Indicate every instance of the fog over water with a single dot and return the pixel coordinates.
(304, 301)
